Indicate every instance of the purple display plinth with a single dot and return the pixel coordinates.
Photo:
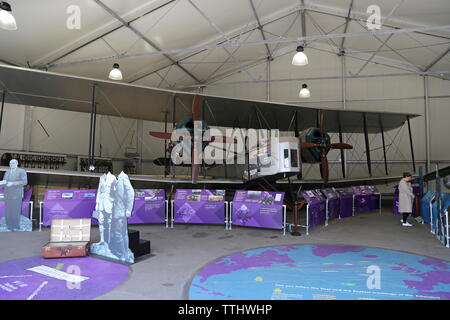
(333, 202)
(149, 206)
(367, 198)
(68, 204)
(259, 209)
(416, 190)
(345, 203)
(19, 283)
(25, 203)
(199, 206)
(316, 207)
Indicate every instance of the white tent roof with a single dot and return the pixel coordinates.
(228, 36)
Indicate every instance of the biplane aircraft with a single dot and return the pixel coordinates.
(310, 128)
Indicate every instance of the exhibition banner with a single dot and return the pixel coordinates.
(260, 209)
(317, 207)
(25, 202)
(333, 202)
(149, 206)
(199, 206)
(68, 204)
(366, 198)
(345, 203)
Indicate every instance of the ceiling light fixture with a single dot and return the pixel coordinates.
(115, 73)
(300, 59)
(7, 21)
(304, 93)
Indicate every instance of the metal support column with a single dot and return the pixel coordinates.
(92, 129)
(427, 124)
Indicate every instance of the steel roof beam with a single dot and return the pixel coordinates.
(347, 20)
(143, 37)
(269, 54)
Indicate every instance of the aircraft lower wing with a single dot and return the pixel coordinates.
(344, 183)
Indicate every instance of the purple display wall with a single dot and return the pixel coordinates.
(366, 198)
(345, 203)
(25, 202)
(149, 205)
(68, 204)
(260, 209)
(333, 202)
(317, 207)
(199, 206)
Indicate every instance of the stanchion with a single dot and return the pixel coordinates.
(226, 214)
(230, 218)
(171, 213)
(167, 213)
(40, 215)
(284, 220)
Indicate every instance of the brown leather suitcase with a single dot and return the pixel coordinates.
(68, 238)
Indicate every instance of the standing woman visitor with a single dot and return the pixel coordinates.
(405, 198)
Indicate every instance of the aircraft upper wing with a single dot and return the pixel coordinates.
(73, 93)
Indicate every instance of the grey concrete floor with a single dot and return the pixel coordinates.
(178, 253)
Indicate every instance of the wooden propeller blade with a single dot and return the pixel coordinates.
(195, 172)
(321, 124)
(325, 169)
(166, 135)
(220, 139)
(341, 146)
(161, 135)
(196, 108)
(308, 145)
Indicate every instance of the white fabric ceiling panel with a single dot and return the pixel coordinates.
(181, 27)
(41, 31)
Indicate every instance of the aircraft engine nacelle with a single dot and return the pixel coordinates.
(313, 135)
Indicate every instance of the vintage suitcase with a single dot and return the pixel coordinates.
(68, 238)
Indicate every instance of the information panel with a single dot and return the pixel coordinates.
(68, 204)
(316, 207)
(260, 209)
(333, 202)
(367, 198)
(345, 203)
(149, 205)
(25, 202)
(199, 206)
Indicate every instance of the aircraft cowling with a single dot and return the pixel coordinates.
(313, 155)
(188, 124)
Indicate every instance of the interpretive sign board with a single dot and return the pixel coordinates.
(199, 206)
(261, 209)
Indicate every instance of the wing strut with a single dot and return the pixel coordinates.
(341, 141)
(384, 147)
(411, 144)
(1, 112)
(366, 139)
